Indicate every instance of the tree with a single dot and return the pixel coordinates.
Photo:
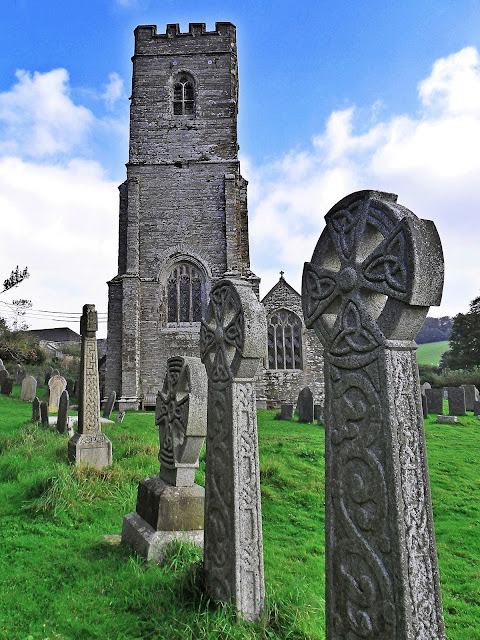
(15, 278)
(464, 352)
(20, 307)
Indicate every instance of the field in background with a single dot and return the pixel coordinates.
(431, 352)
(61, 578)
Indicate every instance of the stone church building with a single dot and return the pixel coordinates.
(184, 222)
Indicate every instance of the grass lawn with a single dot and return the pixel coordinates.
(431, 352)
(63, 578)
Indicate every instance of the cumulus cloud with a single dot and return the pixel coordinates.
(62, 223)
(430, 160)
(38, 118)
(113, 90)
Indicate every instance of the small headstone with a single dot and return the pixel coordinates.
(476, 407)
(471, 395)
(44, 414)
(424, 406)
(89, 445)
(19, 373)
(56, 386)
(109, 404)
(29, 389)
(7, 386)
(424, 386)
(305, 405)
(70, 385)
(434, 400)
(447, 419)
(232, 346)
(317, 412)
(36, 410)
(170, 505)
(3, 375)
(120, 416)
(39, 379)
(286, 411)
(456, 401)
(48, 374)
(62, 417)
(381, 562)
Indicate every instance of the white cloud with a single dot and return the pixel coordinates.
(113, 90)
(430, 160)
(62, 223)
(38, 118)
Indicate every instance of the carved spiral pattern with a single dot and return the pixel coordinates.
(358, 280)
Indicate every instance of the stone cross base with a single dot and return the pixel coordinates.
(149, 543)
(93, 449)
(168, 508)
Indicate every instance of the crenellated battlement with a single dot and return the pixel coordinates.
(146, 36)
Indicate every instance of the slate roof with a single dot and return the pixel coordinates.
(58, 334)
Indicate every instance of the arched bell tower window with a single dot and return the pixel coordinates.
(183, 95)
(284, 340)
(185, 293)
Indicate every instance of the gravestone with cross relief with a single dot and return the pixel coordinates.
(374, 273)
(171, 506)
(89, 445)
(232, 343)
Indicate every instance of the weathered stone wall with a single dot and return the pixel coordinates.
(281, 386)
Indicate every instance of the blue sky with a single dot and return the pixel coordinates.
(334, 97)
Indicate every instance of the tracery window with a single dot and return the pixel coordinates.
(183, 96)
(185, 293)
(284, 340)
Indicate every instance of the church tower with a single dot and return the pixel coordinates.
(183, 207)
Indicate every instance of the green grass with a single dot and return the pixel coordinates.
(61, 578)
(431, 352)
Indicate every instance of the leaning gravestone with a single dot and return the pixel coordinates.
(286, 411)
(44, 414)
(232, 345)
(471, 395)
(89, 445)
(374, 273)
(120, 416)
(62, 417)
(29, 389)
(112, 396)
(36, 410)
(56, 386)
(7, 386)
(434, 400)
(305, 405)
(456, 401)
(170, 506)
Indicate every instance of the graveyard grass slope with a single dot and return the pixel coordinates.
(62, 578)
(431, 352)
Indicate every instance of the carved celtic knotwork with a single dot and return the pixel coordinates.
(366, 294)
(181, 417)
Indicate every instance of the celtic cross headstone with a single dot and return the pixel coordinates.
(89, 445)
(374, 273)
(171, 506)
(232, 343)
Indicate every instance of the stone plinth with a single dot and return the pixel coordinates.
(447, 419)
(92, 449)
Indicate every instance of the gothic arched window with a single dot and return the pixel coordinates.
(185, 293)
(183, 96)
(284, 340)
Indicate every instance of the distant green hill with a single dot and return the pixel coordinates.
(431, 352)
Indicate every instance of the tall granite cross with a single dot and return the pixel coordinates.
(374, 272)
(89, 445)
(232, 342)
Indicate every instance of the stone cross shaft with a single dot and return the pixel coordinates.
(232, 342)
(374, 273)
(89, 392)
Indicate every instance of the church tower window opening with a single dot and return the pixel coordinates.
(184, 96)
(185, 293)
(284, 340)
